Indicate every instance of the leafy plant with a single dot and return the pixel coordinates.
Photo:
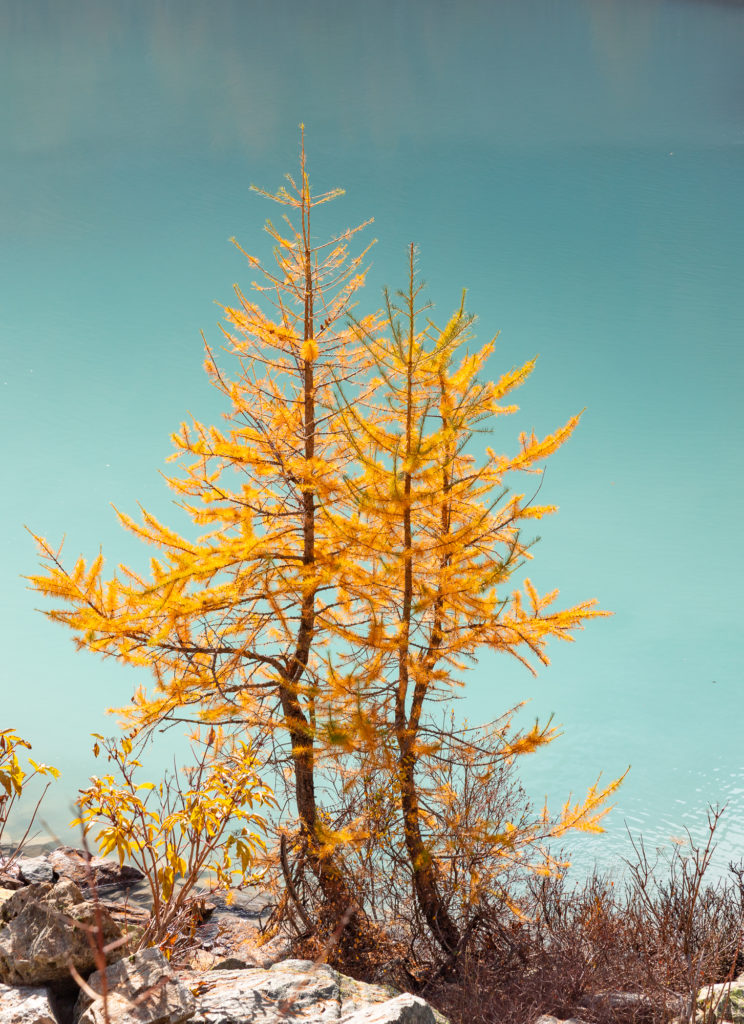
(175, 832)
(232, 625)
(638, 948)
(699, 927)
(14, 779)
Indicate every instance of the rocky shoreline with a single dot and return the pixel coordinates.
(47, 918)
(50, 922)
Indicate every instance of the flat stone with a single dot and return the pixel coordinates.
(25, 1006)
(300, 992)
(84, 870)
(291, 992)
(142, 989)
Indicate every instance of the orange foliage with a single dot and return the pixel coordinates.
(356, 552)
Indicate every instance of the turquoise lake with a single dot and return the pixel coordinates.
(577, 165)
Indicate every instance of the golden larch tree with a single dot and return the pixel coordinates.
(353, 558)
(438, 538)
(233, 625)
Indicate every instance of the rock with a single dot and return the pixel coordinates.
(300, 990)
(239, 938)
(9, 881)
(548, 1018)
(126, 911)
(131, 918)
(45, 928)
(202, 960)
(616, 1000)
(75, 864)
(25, 1006)
(633, 1002)
(34, 869)
(65, 897)
(357, 994)
(5, 894)
(723, 1002)
(230, 963)
(142, 988)
(403, 1009)
(295, 990)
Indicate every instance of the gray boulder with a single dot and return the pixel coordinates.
(290, 992)
(34, 869)
(142, 989)
(44, 928)
(359, 995)
(25, 1006)
(403, 1009)
(295, 991)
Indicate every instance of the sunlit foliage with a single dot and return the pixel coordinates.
(206, 821)
(15, 778)
(357, 554)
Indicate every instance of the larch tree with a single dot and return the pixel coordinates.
(354, 558)
(233, 625)
(438, 537)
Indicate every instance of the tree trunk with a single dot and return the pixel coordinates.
(428, 897)
(339, 898)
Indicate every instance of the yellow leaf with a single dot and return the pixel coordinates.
(309, 350)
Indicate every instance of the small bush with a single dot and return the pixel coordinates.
(14, 780)
(606, 952)
(203, 820)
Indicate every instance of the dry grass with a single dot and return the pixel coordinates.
(633, 950)
(656, 937)
(630, 950)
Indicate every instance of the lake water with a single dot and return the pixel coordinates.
(577, 165)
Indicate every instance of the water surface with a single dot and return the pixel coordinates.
(577, 166)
